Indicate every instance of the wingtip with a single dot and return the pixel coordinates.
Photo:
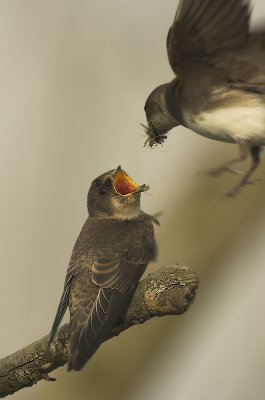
(76, 363)
(69, 367)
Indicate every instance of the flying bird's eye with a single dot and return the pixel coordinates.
(103, 191)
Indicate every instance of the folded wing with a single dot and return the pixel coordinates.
(98, 297)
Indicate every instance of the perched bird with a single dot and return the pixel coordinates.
(111, 254)
(219, 89)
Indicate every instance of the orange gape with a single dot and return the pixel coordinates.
(124, 184)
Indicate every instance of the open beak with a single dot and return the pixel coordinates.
(124, 185)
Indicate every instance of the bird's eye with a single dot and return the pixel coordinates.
(103, 191)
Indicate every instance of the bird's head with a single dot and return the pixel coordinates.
(159, 108)
(114, 194)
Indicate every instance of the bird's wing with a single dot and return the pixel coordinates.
(204, 27)
(100, 294)
(110, 271)
(107, 272)
(63, 304)
(246, 65)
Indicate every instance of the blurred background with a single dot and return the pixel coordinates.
(74, 77)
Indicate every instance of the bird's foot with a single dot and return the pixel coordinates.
(221, 170)
(237, 188)
(244, 182)
(45, 369)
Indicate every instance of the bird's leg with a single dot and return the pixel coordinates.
(255, 156)
(227, 167)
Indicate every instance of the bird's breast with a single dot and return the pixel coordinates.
(230, 116)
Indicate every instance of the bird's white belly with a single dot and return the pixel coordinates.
(244, 122)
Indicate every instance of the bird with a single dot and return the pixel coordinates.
(219, 85)
(109, 257)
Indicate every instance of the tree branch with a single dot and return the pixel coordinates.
(167, 291)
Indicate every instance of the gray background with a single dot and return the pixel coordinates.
(74, 76)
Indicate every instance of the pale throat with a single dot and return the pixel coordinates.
(126, 210)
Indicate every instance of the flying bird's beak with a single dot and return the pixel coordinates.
(124, 185)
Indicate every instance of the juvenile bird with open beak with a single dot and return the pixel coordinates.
(219, 88)
(111, 254)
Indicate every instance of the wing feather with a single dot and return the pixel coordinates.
(111, 283)
(204, 27)
(63, 304)
(102, 315)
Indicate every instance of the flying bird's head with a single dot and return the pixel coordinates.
(114, 194)
(159, 110)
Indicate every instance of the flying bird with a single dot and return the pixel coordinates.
(219, 88)
(110, 255)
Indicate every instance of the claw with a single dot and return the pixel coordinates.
(45, 369)
(244, 182)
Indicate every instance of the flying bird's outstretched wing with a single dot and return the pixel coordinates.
(202, 27)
